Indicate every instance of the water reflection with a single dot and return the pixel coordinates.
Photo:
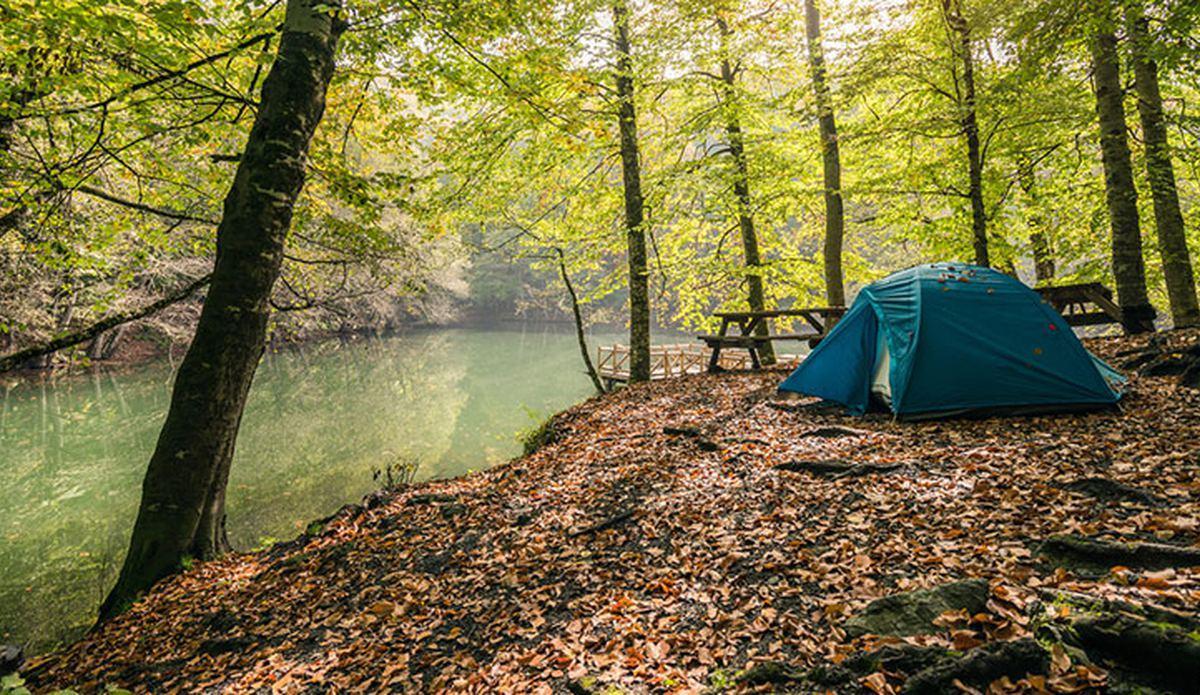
(319, 422)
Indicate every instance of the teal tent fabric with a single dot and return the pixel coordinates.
(960, 338)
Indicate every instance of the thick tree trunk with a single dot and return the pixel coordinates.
(835, 218)
(741, 192)
(952, 10)
(639, 291)
(182, 506)
(1129, 268)
(1168, 219)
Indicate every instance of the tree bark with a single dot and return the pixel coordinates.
(1129, 269)
(635, 233)
(1039, 242)
(1168, 219)
(182, 506)
(952, 10)
(741, 191)
(1043, 258)
(835, 217)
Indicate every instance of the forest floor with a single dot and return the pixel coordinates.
(698, 535)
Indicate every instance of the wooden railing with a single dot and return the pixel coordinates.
(612, 361)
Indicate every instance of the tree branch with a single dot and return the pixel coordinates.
(20, 357)
(142, 207)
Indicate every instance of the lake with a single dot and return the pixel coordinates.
(319, 424)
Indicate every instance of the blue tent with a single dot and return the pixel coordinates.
(949, 338)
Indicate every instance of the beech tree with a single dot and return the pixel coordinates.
(182, 509)
(631, 168)
(831, 161)
(1128, 266)
(1168, 218)
(736, 145)
(960, 28)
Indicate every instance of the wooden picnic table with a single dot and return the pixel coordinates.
(1072, 301)
(820, 319)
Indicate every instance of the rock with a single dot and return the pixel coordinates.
(11, 658)
(1098, 554)
(912, 613)
(979, 667)
(1111, 490)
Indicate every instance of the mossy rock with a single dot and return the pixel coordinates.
(913, 612)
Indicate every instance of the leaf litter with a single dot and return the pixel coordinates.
(660, 544)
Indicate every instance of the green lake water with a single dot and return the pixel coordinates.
(319, 423)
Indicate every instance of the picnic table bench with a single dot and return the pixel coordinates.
(1072, 301)
(821, 320)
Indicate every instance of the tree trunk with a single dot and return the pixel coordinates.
(112, 341)
(182, 506)
(1043, 258)
(1172, 241)
(639, 292)
(741, 192)
(952, 10)
(835, 217)
(580, 335)
(1129, 269)
(1039, 242)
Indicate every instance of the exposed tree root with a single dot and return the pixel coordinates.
(834, 431)
(980, 666)
(1111, 490)
(837, 469)
(1104, 554)
(1163, 653)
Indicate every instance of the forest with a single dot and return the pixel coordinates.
(224, 189)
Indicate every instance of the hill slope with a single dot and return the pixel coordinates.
(654, 545)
